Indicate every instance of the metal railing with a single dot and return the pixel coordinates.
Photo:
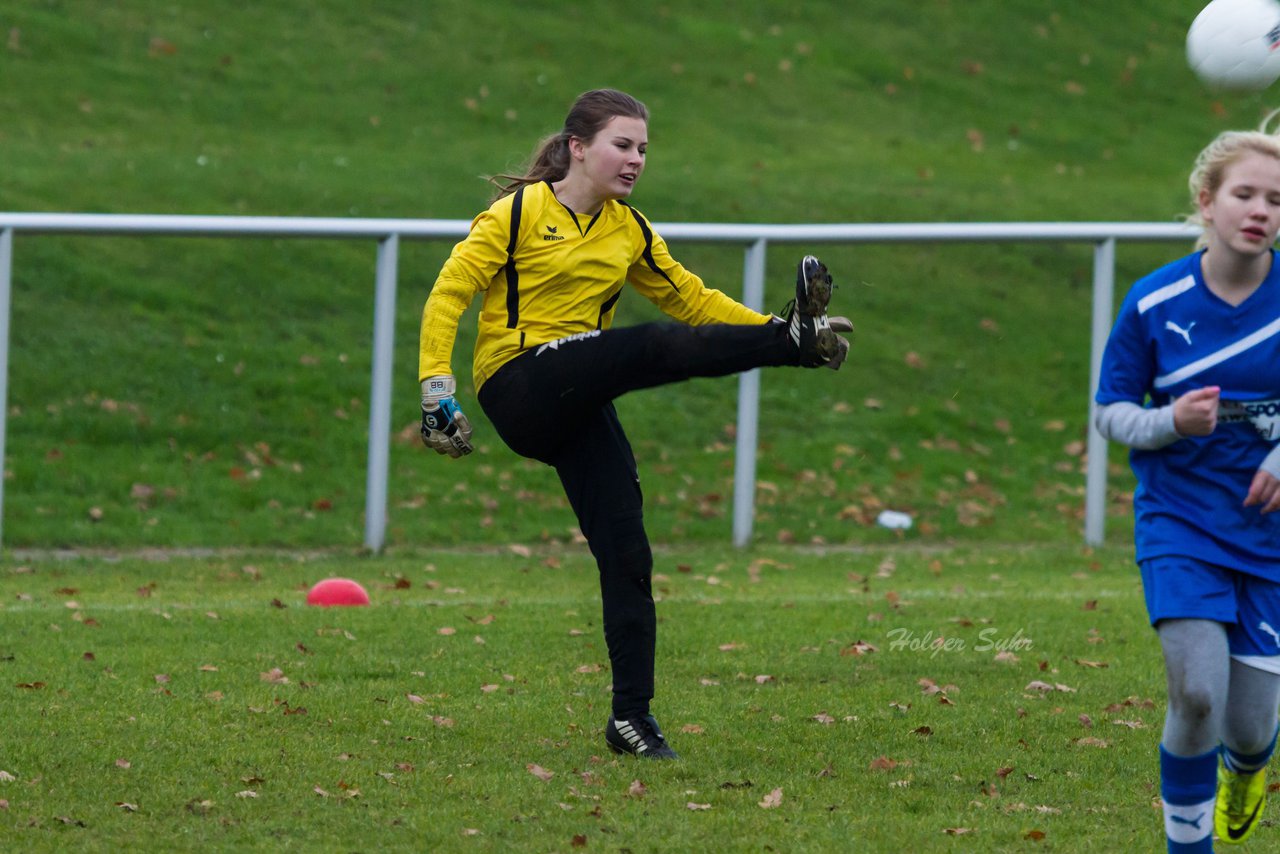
(389, 233)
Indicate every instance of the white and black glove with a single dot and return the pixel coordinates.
(444, 428)
(839, 324)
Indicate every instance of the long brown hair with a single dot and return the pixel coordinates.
(588, 115)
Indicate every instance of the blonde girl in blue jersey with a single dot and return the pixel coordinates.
(1191, 381)
(551, 257)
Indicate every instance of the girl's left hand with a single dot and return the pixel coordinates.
(1264, 490)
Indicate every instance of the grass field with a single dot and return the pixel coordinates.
(187, 426)
(999, 699)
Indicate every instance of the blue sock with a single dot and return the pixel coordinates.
(1188, 788)
(1248, 763)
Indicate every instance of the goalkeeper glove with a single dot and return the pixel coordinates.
(840, 324)
(444, 428)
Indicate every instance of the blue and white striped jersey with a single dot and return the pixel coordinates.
(1174, 335)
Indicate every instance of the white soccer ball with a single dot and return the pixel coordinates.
(1235, 44)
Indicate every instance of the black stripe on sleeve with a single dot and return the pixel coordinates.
(513, 276)
(648, 246)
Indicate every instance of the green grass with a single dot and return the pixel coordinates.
(866, 688)
(187, 433)
(207, 392)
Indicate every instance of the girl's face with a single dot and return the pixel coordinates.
(1244, 214)
(613, 160)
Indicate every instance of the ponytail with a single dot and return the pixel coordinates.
(550, 162)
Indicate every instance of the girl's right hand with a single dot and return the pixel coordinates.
(1196, 412)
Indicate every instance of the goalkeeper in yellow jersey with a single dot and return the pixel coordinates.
(551, 256)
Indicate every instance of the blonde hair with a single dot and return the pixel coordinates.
(590, 112)
(1227, 149)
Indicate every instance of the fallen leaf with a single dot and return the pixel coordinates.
(1131, 724)
(538, 771)
(692, 806)
(771, 800)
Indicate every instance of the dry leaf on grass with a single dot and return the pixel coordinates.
(771, 800)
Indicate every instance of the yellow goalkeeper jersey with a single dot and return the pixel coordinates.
(559, 274)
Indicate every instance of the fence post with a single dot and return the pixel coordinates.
(1095, 489)
(6, 282)
(744, 462)
(384, 327)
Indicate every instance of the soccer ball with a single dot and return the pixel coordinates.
(1235, 44)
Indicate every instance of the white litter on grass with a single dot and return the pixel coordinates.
(894, 520)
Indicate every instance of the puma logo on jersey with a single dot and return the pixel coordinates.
(551, 234)
(1266, 627)
(1185, 333)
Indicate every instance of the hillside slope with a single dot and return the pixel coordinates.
(214, 392)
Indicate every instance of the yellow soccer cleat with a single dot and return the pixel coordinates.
(1241, 798)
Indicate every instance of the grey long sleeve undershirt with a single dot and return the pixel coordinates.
(1151, 429)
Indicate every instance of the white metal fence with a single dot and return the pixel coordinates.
(389, 232)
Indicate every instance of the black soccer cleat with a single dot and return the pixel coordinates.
(639, 737)
(813, 286)
(806, 315)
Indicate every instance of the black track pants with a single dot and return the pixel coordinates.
(554, 404)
